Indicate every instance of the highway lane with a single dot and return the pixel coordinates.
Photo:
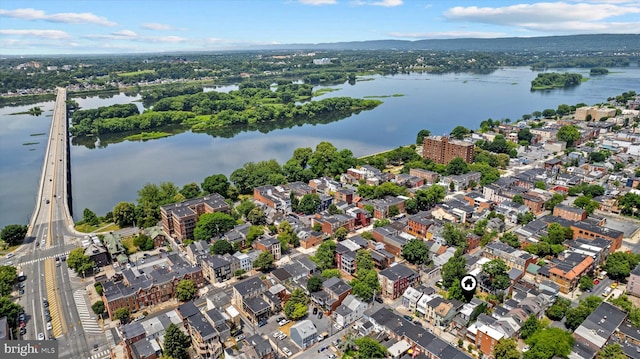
(51, 225)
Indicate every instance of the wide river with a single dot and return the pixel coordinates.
(105, 175)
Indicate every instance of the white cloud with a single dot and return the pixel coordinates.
(43, 34)
(540, 13)
(447, 35)
(387, 3)
(318, 2)
(69, 18)
(170, 39)
(156, 26)
(124, 33)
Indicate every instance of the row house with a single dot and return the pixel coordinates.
(349, 311)
(390, 238)
(429, 177)
(510, 210)
(382, 206)
(334, 291)
(454, 210)
(596, 330)
(396, 279)
(238, 235)
(275, 197)
(494, 192)
(325, 185)
(513, 258)
(409, 181)
(418, 224)
(569, 213)
(345, 195)
(534, 201)
(157, 235)
(346, 256)
(204, 338)
(331, 223)
(299, 189)
(598, 249)
(461, 182)
(362, 217)
(566, 270)
(269, 244)
(528, 178)
(179, 219)
(476, 200)
(314, 238)
(633, 286)
(135, 290)
(217, 269)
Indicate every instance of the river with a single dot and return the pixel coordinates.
(107, 174)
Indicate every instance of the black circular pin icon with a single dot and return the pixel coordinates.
(469, 283)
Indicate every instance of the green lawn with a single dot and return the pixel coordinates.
(102, 227)
(128, 243)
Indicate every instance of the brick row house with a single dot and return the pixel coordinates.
(135, 290)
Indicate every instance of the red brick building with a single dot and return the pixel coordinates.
(441, 149)
(570, 213)
(418, 224)
(396, 279)
(179, 219)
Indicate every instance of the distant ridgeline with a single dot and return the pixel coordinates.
(206, 111)
(551, 80)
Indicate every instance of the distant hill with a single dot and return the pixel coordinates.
(601, 42)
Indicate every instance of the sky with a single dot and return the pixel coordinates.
(130, 26)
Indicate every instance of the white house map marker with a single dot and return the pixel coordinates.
(468, 283)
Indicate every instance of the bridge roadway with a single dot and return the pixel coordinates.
(50, 235)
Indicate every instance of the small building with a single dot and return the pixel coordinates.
(396, 279)
(633, 286)
(569, 213)
(304, 334)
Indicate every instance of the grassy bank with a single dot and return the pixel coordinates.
(147, 136)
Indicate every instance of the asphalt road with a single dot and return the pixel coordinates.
(51, 235)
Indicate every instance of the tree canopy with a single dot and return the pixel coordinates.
(13, 233)
(211, 225)
(176, 343)
(325, 256)
(416, 251)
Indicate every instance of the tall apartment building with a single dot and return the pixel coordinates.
(442, 149)
(179, 219)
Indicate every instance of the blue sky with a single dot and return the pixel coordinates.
(128, 26)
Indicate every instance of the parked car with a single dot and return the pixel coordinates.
(379, 300)
(320, 315)
(277, 333)
(332, 356)
(240, 337)
(40, 336)
(23, 331)
(315, 310)
(408, 317)
(262, 323)
(49, 326)
(286, 351)
(21, 316)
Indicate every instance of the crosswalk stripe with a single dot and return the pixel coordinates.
(31, 261)
(102, 354)
(88, 324)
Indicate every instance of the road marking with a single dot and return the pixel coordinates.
(87, 319)
(102, 354)
(57, 320)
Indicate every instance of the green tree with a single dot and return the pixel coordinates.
(620, 264)
(611, 351)
(529, 327)
(555, 200)
(98, 307)
(506, 348)
(518, 199)
(89, 217)
(455, 292)
(333, 209)
(13, 233)
(121, 314)
(457, 166)
(365, 284)
(330, 273)
(459, 132)
(217, 183)
(296, 307)
(245, 207)
(309, 203)
(586, 203)
(511, 239)
(186, 290)
(568, 134)
(325, 256)
(99, 288)
(454, 269)
(254, 232)
(191, 190)
(364, 261)
(586, 283)
(557, 234)
(221, 247)
(79, 262)
(264, 261)
(381, 223)
(421, 135)
(454, 235)
(549, 342)
(211, 225)
(369, 348)
(176, 343)
(558, 310)
(496, 269)
(341, 234)
(524, 218)
(416, 251)
(8, 277)
(314, 284)
(10, 310)
(256, 216)
(124, 214)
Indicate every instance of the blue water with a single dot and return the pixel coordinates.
(102, 177)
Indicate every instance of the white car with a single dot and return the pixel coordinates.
(277, 334)
(286, 351)
(49, 327)
(40, 336)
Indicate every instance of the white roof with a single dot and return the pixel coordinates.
(232, 311)
(491, 332)
(398, 348)
(350, 244)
